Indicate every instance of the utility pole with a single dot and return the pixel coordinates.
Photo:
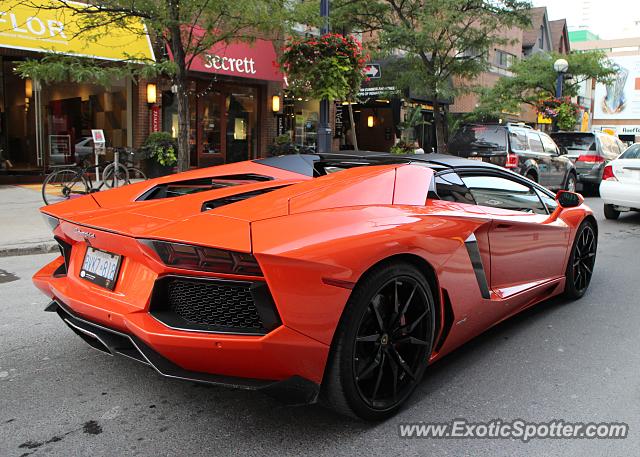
(324, 130)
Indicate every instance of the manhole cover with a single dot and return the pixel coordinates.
(5, 276)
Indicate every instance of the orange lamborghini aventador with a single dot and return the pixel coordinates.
(332, 277)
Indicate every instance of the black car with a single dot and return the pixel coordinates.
(590, 153)
(519, 148)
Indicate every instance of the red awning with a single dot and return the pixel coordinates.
(256, 60)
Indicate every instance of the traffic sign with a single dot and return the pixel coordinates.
(372, 71)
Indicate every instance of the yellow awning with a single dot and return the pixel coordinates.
(23, 25)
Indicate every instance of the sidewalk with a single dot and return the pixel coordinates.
(22, 229)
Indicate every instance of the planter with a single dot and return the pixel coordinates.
(154, 170)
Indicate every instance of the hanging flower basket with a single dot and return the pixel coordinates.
(330, 66)
(562, 110)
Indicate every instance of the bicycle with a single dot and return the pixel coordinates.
(68, 182)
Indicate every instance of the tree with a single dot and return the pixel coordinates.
(437, 41)
(534, 80)
(185, 28)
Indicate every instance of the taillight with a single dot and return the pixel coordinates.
(590, 158)
(200, 258)
(512, 160)
(608, 175)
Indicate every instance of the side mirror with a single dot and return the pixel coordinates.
(568, 199)
(563, 151)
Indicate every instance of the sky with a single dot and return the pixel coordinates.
(608, 18)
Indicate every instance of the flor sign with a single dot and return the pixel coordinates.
(28, 25)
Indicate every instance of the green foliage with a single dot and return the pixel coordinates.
(330, 66)
(534, 79)
(566, 117)
(437, 40)
(402, 147)
(162, 147)
(59, 67)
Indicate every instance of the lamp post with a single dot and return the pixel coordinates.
(324, 130)
(560, 66)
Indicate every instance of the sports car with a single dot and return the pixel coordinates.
(325, 277)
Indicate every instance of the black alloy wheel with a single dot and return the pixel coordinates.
(582, 260)
(383, 343)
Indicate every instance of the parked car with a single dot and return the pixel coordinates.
(620, 186)
(519, 148)
(590, 153)
(331, 276)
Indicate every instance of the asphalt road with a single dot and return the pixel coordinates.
(578, 361)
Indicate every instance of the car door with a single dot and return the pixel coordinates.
(558, 164)
(542, 158)
(527, 246)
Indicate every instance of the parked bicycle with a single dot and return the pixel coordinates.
(68, 182)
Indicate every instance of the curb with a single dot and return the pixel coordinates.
(42, 247)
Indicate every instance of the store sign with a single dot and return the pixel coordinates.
(256, 60)
(338, 121)
(31, 26)
(155, 118)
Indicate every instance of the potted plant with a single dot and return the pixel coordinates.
(160, 150)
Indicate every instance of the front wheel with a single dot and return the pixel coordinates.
(582, 261)
(382, 344)
(571, 183)
(64, 184)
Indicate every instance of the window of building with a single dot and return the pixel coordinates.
(504, 59)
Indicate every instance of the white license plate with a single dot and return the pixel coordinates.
(475, 158)
(100, 267)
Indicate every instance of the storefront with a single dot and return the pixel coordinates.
(47, 125)
(231, 92)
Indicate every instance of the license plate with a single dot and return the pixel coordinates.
(100, 267)
(475, 158)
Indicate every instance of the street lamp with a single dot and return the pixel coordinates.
(561, 66)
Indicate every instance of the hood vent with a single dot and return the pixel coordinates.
(223, 201)
(192, 186)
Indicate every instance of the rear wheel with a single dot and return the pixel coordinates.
(113, 177)
(64, 184)
(610, 212)
(136, 175)
(581, 261)
(382, 344)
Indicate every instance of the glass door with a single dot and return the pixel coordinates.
(241, 128)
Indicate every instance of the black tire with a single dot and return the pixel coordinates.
(63, 184)
(389, 350)
(610, 212)
(571, 183)
(581, 261)
(115, 178)
(531, 175)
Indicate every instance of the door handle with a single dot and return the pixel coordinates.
(502, 226)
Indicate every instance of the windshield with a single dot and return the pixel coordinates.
(633, 152)
(479, 137)
(575, 141)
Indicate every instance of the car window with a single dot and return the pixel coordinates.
(633, 152)
(575, 141)
(450, 187)
(534, 142)
(478, 137)
(518, 141)
(548, 144)
(500, 192)
(549, 201)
